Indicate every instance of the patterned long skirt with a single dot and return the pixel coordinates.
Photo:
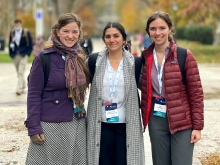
(65, 144)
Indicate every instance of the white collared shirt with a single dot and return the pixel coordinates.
(119, 96)
(17, 37)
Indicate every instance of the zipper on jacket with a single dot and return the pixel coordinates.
(165, 99)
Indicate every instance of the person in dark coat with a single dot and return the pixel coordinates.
(86, 44)
(20, 47)
(55, 113)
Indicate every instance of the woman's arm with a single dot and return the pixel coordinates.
(194, 91)
(35, 89)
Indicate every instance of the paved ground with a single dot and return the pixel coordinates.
(14, 140)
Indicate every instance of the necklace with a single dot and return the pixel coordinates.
(112, 59)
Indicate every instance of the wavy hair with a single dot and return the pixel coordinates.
(63, 20)
(121, 29)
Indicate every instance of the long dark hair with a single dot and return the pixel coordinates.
(121, 29)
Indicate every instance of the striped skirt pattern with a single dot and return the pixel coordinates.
(65, 144)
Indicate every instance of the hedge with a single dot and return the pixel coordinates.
(202, 34)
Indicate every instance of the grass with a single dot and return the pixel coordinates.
(203, 53)
(4, 57)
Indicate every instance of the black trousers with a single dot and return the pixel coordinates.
(113, 144)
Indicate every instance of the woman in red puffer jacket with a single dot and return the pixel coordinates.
(173, 109)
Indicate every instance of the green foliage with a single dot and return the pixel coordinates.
(203, 34)
(180, 32)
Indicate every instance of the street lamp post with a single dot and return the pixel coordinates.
(175, 8)
(39, 18)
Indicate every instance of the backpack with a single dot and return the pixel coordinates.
(25, 34)
(181, 56)
(92, 61)
(45, 61)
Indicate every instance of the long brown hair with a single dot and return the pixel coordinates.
(164, 16)
(63, 20)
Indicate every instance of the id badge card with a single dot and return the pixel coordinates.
(12, 45)
(111, 112)
(160, 107)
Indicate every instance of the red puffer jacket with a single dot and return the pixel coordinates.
(184, 103)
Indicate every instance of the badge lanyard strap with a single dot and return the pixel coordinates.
(160, 74)
(113, 87)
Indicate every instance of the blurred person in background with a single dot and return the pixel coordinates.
(86, 43)
(146, 41)
(135, 46)
(20, 47)
(38, 45)
(141, 39)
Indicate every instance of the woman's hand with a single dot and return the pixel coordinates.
(195, 136)
(81, 114)
(38, 138)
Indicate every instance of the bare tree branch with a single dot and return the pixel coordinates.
(55, 3)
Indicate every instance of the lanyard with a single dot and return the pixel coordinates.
(113, 87)
(159, 73)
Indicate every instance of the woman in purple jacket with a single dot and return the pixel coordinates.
(55, 113)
